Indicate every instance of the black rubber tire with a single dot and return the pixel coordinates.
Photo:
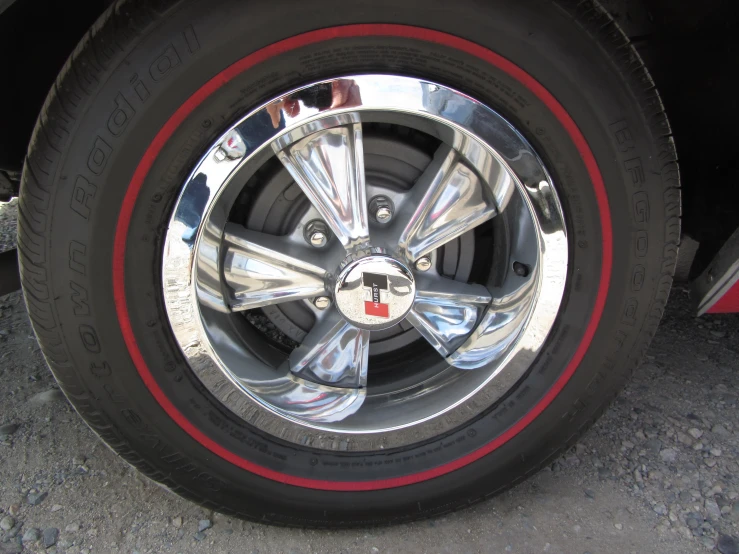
(144, 60)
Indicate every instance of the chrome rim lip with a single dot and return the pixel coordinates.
(529, 178)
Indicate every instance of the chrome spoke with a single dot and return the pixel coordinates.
(448, 200)
(265, 269)
(494, 335)
(329, 167)
(446, 311)
(333, 353)
(308, 400)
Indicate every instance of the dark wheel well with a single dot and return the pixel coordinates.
(36, 38)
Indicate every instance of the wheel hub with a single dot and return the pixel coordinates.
(395, 157)
(374, 292)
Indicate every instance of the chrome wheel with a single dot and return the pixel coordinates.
(363, 259)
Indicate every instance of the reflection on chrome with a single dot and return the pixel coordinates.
(263, 269)
(307, 400)
(318, 394)
(446, 311)
(334, 352)
(448, 200)
(329, 166)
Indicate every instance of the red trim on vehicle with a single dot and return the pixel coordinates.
(728, 303)
(119, 248)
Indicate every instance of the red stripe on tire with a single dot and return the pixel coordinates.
(119, 248)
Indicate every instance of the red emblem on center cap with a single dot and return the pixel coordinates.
(375, 283)
(376, 308)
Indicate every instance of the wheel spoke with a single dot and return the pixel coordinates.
(496, 330)
(333, 353)
(448, 200)
(264, 269)
(446, 311)
(308, 400)
(329, 168)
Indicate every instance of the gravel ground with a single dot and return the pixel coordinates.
(8, 218)
(657, 474)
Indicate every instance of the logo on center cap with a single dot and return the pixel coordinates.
(374, 285)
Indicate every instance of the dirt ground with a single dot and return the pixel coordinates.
(657, 474)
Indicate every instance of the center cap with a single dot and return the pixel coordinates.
(375, 292)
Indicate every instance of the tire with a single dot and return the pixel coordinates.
(153, 84)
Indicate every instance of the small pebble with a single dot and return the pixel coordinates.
(204, 524)
(695, 433)
(31, 535)
(692, 523)
(727, 544)
(7, 523)
(660, 509)
(712, 510)
(72, 528)
(177, 521)
(46, 397)
(199, 536)
(7, 430)
(720, 430)
(668, 455)
(49, 536)
(653, 445)
(36, 498)
(618, 526)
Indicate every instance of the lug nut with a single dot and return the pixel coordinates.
(381, 209)
(522, 270)
(423, 264)
(322, 302)
(318, 239)
(316, 233)
(383, 214)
